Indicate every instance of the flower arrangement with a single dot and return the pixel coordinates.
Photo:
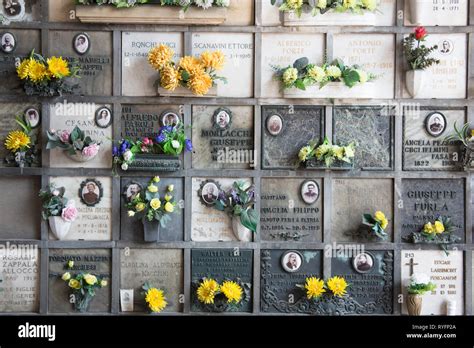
(169, 141)
(22, 145)
(466, 138)
(198, 74)
(420, 284)
(54, 204)
(83, 286)
(46, 77)
(227, 296)
(416, 53)
(155, 298)
(75, 144)
(303, 74)
(327, 153)
(377, 223)
(316, 288)
(316, 7)
(184, 4)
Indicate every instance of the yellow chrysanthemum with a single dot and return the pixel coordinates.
(207, 290)
(349, 4)
(289, 76)
(58, 67)
(191, 64)
(23, 69)
(232, 291)
(213, 60)
(338, 152)
(17, 140)
(314, 287)
(428, 228)
(170, 78)
(37, 71)
(294, 4)
(304, 152)
(439, 227)
(156, 300)
(155, 203)
(337, 285)
(317, 73)
(200, 83)
(322, 4)
(159, 56)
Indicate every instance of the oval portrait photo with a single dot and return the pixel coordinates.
(90, 192)
(222, 118)
(32, 117)
(7, 42)
(103, 117)
(274, 125)
(310, 191)
(291, 261)
(363, 262)
(81, 43)
(132, 191)
(435, 124)
(170, 118)
(209, 193)
(13, 9)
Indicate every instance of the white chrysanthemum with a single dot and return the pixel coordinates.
(317, 73)
(333, 71)
(419, 278)
(204, 4)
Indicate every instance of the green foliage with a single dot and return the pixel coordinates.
(53, 201)
(184, 4)
(375, 226)
(77, 141)
(311, 6)
(417, 54)
(327, 152)
(463, 135)
(420, 289)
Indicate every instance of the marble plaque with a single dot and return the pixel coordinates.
(426, 200)
(279, 293)
(19, 278)
(26, 40)
(446, 80)
(20, 11)
(436, 12)
(238, 49)
(94, 261)
(370, 275)
(375, 54)
(222, 141)
(282, 49)
(138, 77)
(162, 269)
(221, 264)
(424, 149)
(300, 125)
(446, 272)
(66, 116)
(371, 128)
(132, 229)
(95, 63)
(93, 222)
(291, 209)
(20, 207)
(354, 197)
(209, 224)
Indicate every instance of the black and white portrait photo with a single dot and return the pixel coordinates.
(170, 118)
(132, 191)
(309, 191)
(209, 193)
(291, 261)
(435, 124)
(445, 47)
(363, 262)
(81, 43)
(103, 117)
(32, 117)
(274, 125)
(90, 192)
(222, 118)
(7, 42)
(13, 9)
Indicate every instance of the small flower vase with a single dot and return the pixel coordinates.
(80, 157)
(151, 231)
(20, 158)
(82, 302)
(451, 307)
(416, 11)
(414, 304)
(241, 232)
(414, 80)
(59, 227)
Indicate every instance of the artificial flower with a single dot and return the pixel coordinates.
(156, 300)
(289, 76)
(23, 69)
(200, 83)
(317, 73)
(66, 276)
(124, 166)
(159, 56)
(70, 264)
(428, 228)
(69, 213)
(204, 4)
(349, 4)
(169, 207)
(191, 64)
(156, 179)
(207, 290)
(322, 4)
(58, 67)
(127, 155)
(370, 5)
(232, 291)
(213, 60)
(294, 4)
(363, 76)
(333, 72)
(420, 33)
(168, 197)
(131, 213)
(90, 279)
(103, 283)
(304, 152)
(337, 285)
(153, 188)
(74, 284)
(155, 203)
(439, 227)
(170, 188)
(17, 140)
(140, 206)
(91, 150)
(37, 71)
(169, 78)
(314, 287)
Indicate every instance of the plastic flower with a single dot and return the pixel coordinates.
(289, 76)
(381, 219)
(294, 4)
(338, 151)
(349, 151)
(370, 4)
(169, 78)
(204, 4)
(90, 279)
(213, 60)
(420, 33)
(428, 228)
(170, 188)
(200, 83)
(349, 4)
(337, 285)
(322, 4)
(314, 288)
(363, 76)
(103, 283)
(140, 206)
(156, 300)
(317, 73)
(69, 213)
(439, 227)
(17, 140)
(22, 70)
(70, 264)
(304, 152)
(232, 291)
(74, 284)
(155, 203)
(169, 207)
(175, 144)
(37, 71)
(131, 213)
(207, 291)
(58, 67)
(156, 179)
(153, 188)
(66, 276)
(159, 56)
(333, 71)
(322, 150)
(168, 198)
(91, 150)
(191, 64)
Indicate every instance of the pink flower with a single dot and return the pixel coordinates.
(64, 136)
(91, 150)
(69, 213)
(147, 141)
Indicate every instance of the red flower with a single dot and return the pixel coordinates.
(420, 33)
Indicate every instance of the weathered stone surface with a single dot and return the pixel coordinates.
(371, 290)
(422, 151)
(445, 271)
(435, 13)
(19, 278)
(93, 223)
(301, 124)
(94, 261)
(239, 51)
(371, 128)
(354, 197)
(96, 64)
(230, 148)
(20, 208)
(138, 77)
(132, 229)
(278, 286)
(285, 216)
(28, 12)
(162, 269)
(26, 40)
(426, 200)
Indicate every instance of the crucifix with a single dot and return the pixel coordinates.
(412, 266)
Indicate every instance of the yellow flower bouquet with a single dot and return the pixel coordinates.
(22, 145)
(316, 7)
(46, 77)
(155, 298)
(316, 289)
(327, 155)
(377, 223)
(198, 74)
(230, 295)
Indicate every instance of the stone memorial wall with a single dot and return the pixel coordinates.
(309, 219)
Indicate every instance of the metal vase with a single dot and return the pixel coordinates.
(151, 231)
